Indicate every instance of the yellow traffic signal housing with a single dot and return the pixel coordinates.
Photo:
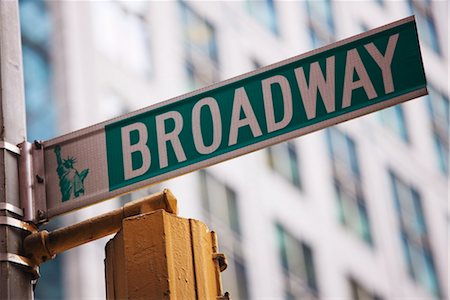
(159, 255)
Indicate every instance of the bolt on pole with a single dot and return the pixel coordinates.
(15, 276)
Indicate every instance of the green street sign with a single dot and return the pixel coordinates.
(326, 86)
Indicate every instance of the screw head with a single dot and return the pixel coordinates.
(39, 179)
(38, 144)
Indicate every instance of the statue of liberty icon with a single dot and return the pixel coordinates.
(70, 180)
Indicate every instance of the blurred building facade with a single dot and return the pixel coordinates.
(357, 211)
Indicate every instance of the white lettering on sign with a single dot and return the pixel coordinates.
(352, 64)
(172, 137)
(326, 87)
(273, 125)
(286, 100)
(140, 147)
(199, 143)
(243, 114)
(241, 101)
(384, 62)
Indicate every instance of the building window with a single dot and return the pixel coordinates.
(235, 278)
(220, 201)
(352, 208)
(425, 23)
(413, 234)
(298, 266)
(264, 11)
(394, 119)
(320, 22)
(283, 159)
(114, 20)
(200, 48)
(358, 292)
(222, 215)
(439, 114)
(36, 28)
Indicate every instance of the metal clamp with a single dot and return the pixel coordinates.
(22, 261)
(10, 147)
(32, 191)
(18, 224)
(11, 208)
(17, 259)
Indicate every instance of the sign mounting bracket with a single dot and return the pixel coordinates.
(32, 183)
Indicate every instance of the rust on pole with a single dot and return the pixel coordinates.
(44, 245)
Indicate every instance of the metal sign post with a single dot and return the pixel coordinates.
(15, 275)
(329, 85)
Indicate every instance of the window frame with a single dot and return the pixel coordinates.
(230, 235)
(414, 242)
(276, 162)
(348, 184)
(195, 58)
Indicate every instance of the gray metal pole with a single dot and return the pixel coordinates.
(15, 275)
